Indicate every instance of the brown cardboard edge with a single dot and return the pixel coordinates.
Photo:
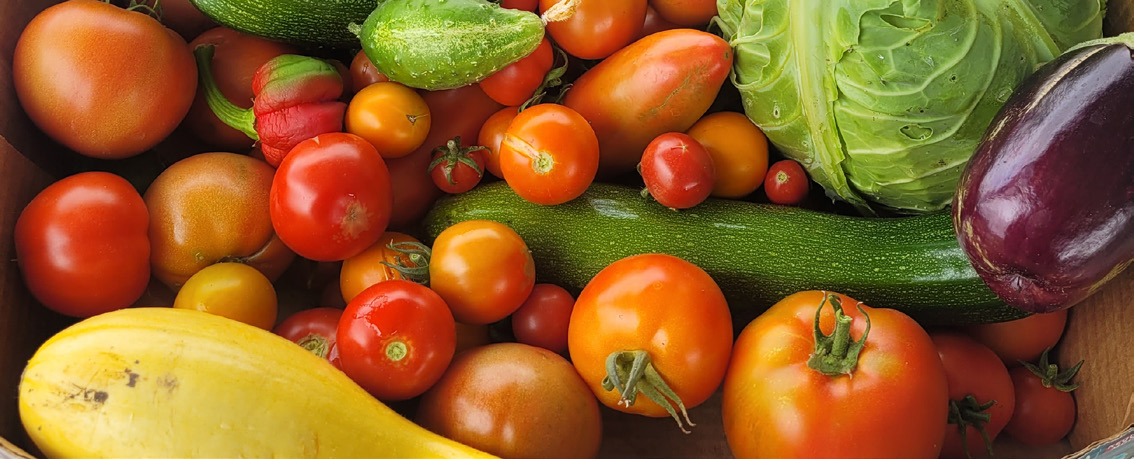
(1083, 452)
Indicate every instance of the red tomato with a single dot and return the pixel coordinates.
(83, 76)
(686, 13)
(786, 183)
(1023, 339)
(315, 330)
(889, 400)
(543, 318)
(677, 171)
(654, 23)
(330, 197)
(482, 269)
(1045, 409)
(395, 339)
(597, 28)
(363, 73)
(82, 245)
(492, 135)
(658, 312)
(526, 5)
(516, 83)
(455, 169)
(549, 154)
(978, 384)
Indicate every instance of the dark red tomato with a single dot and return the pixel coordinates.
(526, 5)
(978, 384)
(457, 169)
(655, 23)
(543, 318)
(686, 13)
(1045, 409)
(786, 183)
(315, 330)
(82, 244)
(516, 83)
(363, 73)
(492, 135)
(396, 339)
(1022, 339)
(677, 170)
(330, 197)
(597, 28)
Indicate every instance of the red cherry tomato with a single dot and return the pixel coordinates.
(677, 170)
(597, 28)
(978, 384)
(786, 183)
(330, 197)
(396, 338)
(549, 154)
(455, 169)
(1045, 409)
(515, 84)
(492, 134)
(363, 73)
(543, 318)
(315, 330)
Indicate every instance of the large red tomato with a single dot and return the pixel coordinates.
(878, 394)
(101, 80)
(82, 244)
(979, 386)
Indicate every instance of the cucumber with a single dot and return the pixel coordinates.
(757, 253)
(303, 22)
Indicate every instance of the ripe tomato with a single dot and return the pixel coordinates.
(94, 88)
(492, 135)
(978, 385)
(363, 73)
(786, 183)
(654, 23)
(1045, 409)
(739, 150)
(233, 290)
(390, 116)
(365, 269)
(315, 330)
(471, 336)
(516, 83)
(656, 312)
(514, 400)
(597, 28)
(526, 5)
(889, 400)
(686, 13)
(455, 169)
(82, 245)
(482, 269)
(677, 170)
(330, 198)
(182, 17)
(543, 318)
(1022, 339)
(549, 154)
(395, 339)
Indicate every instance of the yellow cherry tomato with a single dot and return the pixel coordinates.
(739, 150)
(365, 269)
(392, 117)
(233, 290)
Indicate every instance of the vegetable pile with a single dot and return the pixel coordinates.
(504, 219)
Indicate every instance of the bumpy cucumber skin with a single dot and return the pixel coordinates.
(302, 22)
(444, 44)
(757, 253)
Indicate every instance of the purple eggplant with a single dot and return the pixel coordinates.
(1045, 208)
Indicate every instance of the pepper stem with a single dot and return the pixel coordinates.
(969, 412)
(837, 354)
(631, 372)
(417, 255)
(241, 119)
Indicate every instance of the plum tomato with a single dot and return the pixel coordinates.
(233, 290)
(543, 318)
(482, 269)
(786, 183)
(549, 154)
(314, 329)
(739, 150)
(677, 170)
(392, 117)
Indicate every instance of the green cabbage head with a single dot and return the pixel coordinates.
(884, 101)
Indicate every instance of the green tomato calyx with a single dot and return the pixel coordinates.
(631, 372)
(836, 354)
(969, 412)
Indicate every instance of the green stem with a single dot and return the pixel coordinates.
(969, 412)
(631, 372)
(553, 79)
(317, 344)
(241, 119)
(837, 354)
(452, 154)
(1049, 373)
(416, 268)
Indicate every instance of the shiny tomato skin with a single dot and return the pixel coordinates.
(314, 329)
(787, 183)
(526, 5)
(330, 198)
(363, 73)
(82, 245)
(395, 339)
(94, 89)
(677, 171)
(461, 177)
(597, 28)
(973, 369)
(894, 404)
(543, 318)
(654, 23)
(739, 150)
(660, 304)
(1022, 339)
(516, 83)
(1042, 415)
(233, 290)
(492, 135)
(391, 116)
(482, 269)
(686, 13)
(514, 401)
(365, 269)
(549, 154)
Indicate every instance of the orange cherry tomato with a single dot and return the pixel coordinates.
(482, 269)
(1022, 339)
(233, 290)
(686, 13)
(516, 83)
(549, 154)
(365, 269)
(492, 134)
(363, 73)
(597, 28)
(392, 117)
(739, 150)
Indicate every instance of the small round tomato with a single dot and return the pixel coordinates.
(395, 339)
(330, 198)
(686, 13)
(514, 400)
(549, 154)
(786, 183)
(233, 290)
(363, 73)
(492, 135)
(656, 313)
(482, 269)
(457, 170)
(596, 28)
(1045, 409)
(392, 117)
(82, 245)
(516, 83)
(315, 330)
(677, 170)
(979, 385)
(739, 150)
(543, 318)
(1022, 339)
(368, 268)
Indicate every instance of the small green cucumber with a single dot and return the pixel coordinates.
(304, 22)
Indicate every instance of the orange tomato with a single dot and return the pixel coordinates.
(482, 269)
(686, 13)
(549, 154)
(739, 150)
(597, 28)
(233, 290)
(365, 269)
(492, 135)
(392, 117)
(1021, 339)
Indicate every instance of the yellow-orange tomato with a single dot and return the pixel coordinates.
(482, 269)
(549, 154)
(739, 150)
(232, 290)
(392, 117)
(491, 136)
(365, 269)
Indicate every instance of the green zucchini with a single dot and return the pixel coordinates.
(303, 22)
(757, 253)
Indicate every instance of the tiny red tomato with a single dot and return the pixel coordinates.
(396, 339)
(1045, 409)
(786, 183)
(654, 23)
(457, 170)
(516, 83)
(677, 170)
(363, 73)
(492, 135)
(482, 269)
(315, 330)
(981, 399)
(549, 154)
(1022, 339)
(543, 318)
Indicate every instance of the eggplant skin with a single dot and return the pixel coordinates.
(1045, 208)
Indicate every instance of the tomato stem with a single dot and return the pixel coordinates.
(315, 343)
(561, 11)
(837, 354)
(969, 412)
(417, 255)
(452, 154)
(553, 78)
(631, 372)
(1049, 373)
(241, 119)
(396, 351)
